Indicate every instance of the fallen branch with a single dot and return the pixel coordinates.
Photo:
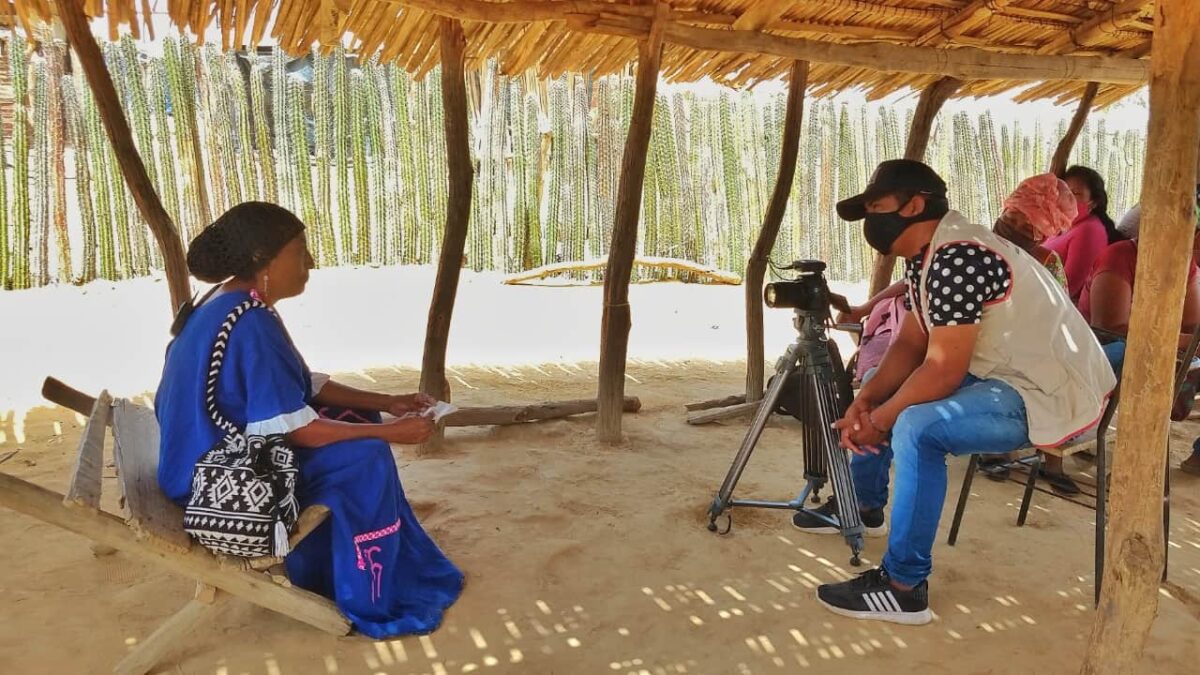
(715, 403)
(723, 413)
(520, 414)
(704, 271)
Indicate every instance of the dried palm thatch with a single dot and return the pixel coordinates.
(882, 45)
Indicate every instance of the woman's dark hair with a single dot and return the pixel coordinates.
(242, 241)
(1095, 185)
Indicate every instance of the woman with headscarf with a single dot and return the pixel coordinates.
(371, 556)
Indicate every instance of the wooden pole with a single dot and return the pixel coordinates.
(79, 34)
(1058, 163)
(756, 267)
(458, 211)
(615, 324)
(461, 176)
(931, 101)
(1135, 556)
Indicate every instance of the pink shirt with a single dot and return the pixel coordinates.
(1119, 259)
(1079, 247)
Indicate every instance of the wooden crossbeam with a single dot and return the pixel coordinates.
(968, 18)
(967, 63)
(1106, 21)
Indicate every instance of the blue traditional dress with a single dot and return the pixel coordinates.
(371, 556)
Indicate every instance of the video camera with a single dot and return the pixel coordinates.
(808, 292)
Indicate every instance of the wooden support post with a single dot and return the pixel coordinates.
(756, 268)
(458, 212)
(931, 101)
(79, 33)
(1134, 556)
(1058, 164)
(615, 324)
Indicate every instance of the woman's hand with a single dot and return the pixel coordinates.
(854, 314)
(410, 403)
(408, 431)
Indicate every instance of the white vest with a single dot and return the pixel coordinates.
(1033, 339)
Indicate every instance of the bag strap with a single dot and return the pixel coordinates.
(220, 345)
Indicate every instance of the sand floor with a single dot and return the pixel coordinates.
(580, 558)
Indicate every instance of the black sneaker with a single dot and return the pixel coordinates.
(824, 520)
(872, 596)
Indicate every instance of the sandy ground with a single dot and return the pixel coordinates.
(581, 558)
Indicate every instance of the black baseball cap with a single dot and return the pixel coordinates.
(894, 175)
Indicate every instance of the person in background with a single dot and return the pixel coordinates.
(1041, 207)
(1107, 302)
(1091, 231)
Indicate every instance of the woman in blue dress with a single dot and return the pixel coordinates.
(371, 556)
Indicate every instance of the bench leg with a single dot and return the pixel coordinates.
(963, 493)
(158, 645)
(1034, 467)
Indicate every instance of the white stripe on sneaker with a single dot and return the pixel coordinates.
(870, 602)
(892, 602)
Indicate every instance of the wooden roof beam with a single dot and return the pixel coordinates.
(1113, 19)
(966, 63)
(525, 11)
(762, 13)
(968, 18)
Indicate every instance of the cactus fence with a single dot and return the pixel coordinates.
(357, 151)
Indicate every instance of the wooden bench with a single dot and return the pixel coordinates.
(151, 526)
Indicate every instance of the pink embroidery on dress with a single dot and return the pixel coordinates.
(376, 569)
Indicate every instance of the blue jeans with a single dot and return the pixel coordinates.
(1115, 353)
(982, 416)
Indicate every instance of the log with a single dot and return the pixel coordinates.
(711, 273)
(761, 13)
(1105, 22)
(1058, 163)
(756, 267)
(107, 529)
(519, 414)
(728, 412)
(615, 322)
(931, 101)
(458, 212)
(1135, 554)
(970, 17)
(159, 644)
(716, 403)
(968, 63)
(79, 33)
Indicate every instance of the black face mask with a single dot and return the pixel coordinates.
(881, 230)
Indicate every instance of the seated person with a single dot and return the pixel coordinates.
(1107, 301)
(371, 556)
(991, 357)
(1091, 230)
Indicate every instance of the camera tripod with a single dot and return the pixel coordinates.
(824, 396)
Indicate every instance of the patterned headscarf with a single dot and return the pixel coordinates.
(1046, 201)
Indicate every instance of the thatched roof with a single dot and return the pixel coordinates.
(882, 45)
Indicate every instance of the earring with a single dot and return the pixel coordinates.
(266, 287)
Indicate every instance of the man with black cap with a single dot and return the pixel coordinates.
(991, 358)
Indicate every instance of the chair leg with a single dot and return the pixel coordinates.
(963, 493)
(157, 646)
(1101, 513)
(1034, 468)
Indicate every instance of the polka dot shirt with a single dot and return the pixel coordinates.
(962, 278)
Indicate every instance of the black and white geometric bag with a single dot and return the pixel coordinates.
(243, 499)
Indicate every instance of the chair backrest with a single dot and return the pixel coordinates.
(148, 511)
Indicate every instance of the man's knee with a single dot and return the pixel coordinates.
(916, 431)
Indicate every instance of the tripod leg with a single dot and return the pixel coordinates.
(787, 365)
